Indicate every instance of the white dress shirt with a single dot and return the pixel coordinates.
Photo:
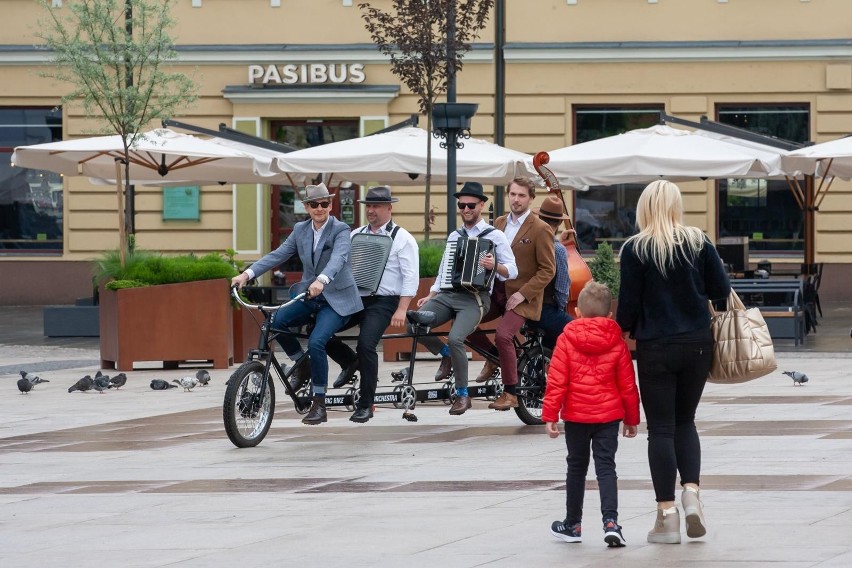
(402, 270)
(513, 226)
(503, 247)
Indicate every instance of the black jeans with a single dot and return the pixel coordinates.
(672, 376)
(603, 438)
(374, 319)
(552, 322)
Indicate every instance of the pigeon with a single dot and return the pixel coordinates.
(798, 378)
(33, 379)
(101, 383)
(188, 383)
(82, 385)
(118, 381)
(161, 385)
(203, 377)
(24, 385)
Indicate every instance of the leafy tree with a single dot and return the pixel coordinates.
(115, 53)
(604, 269)
(413, 34)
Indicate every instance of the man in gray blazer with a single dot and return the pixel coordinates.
(323, 246)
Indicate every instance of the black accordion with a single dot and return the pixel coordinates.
(461, 268)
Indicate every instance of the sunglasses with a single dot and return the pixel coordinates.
(315, 204)
(461, 205)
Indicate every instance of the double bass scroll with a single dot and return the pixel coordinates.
(578, 270)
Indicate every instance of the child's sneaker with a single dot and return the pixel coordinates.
(565, 533)
(612, 533)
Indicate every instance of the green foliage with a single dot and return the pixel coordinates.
(430, 257)
(145, 268)
(604, 268)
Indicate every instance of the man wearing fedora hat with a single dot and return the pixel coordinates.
(520, 299)
(387, 306)
(323, 245)
(554, 318)
(468, 308)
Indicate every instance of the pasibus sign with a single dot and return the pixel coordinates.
(307, 73)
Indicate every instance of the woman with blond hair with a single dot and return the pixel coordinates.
(669, 271)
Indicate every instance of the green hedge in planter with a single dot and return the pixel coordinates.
(145, 268)
(431, 253)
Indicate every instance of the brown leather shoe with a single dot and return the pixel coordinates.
(488, 371)
(504, 402)
(316, 415)
(301, 373)
(444, 369)
(461, 405)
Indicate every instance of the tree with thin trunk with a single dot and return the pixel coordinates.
(413, 34)
(115, 54)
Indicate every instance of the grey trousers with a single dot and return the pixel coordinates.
(467, 312)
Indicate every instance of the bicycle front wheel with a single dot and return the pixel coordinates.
(246, 413)
(532, 381)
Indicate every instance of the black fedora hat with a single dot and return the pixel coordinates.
(473, 189)
(379, 194)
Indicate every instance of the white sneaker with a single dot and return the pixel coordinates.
(667, 527)
(689, 499)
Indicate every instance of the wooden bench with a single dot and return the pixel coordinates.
(780, 303)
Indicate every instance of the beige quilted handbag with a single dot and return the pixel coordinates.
(743, 349)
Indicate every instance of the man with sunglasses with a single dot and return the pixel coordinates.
(323, 245)
(468, 308)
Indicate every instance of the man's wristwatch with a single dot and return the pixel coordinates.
(324, 279)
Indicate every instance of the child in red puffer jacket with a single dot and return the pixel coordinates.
(591, 384)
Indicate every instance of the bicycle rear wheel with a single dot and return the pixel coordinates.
(247, 415)
(532, 381)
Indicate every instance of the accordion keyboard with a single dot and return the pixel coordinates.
(449, 263)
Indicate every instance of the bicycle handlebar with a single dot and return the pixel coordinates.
(235, 293)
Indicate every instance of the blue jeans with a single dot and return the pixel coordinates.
(327, 323)
(552, 322)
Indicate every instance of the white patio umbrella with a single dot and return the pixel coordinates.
(660, 151)
(399, 158)
(827, 159)
(159, 155)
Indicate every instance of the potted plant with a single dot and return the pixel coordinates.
(164, 308)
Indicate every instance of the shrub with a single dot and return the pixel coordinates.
(146, 268)
(604, 268)
(431, 253)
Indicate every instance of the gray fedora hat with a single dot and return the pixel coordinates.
(379, 194)
(316, 192)
(473, 189)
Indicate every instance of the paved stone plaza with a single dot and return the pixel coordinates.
(137, 477)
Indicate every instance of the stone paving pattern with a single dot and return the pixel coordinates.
(146, 478)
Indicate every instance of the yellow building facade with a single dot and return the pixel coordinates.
(306, 72)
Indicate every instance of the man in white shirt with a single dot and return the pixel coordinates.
(387, 306)
(468, 308)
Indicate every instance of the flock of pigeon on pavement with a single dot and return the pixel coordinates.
(101, 382)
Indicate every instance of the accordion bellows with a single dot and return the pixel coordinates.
(462, 270)
(369, 255)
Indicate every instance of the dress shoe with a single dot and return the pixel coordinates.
(346, 375)
(488, 371)
(444, 370)
(504, 402)
(461, 405)
(361, 415)
(316, 415)
(301, 373)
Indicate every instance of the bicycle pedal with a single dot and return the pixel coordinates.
(409, 416)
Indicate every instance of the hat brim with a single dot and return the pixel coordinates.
(549, 215)
(378, 201)
(480, 197)
(320, 197)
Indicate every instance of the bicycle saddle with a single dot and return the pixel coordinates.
(421, 318)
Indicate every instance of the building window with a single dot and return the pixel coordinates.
(30, 200)
(608, 213)
(765, 211)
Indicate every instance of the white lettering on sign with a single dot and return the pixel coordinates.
(307, 73)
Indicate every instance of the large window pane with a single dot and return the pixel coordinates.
(608, 213)
(765, 211)
(31, 208)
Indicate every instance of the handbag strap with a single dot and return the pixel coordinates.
(733, 303)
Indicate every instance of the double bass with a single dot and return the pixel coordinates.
(578, 270)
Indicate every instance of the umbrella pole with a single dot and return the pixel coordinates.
(121, 229)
